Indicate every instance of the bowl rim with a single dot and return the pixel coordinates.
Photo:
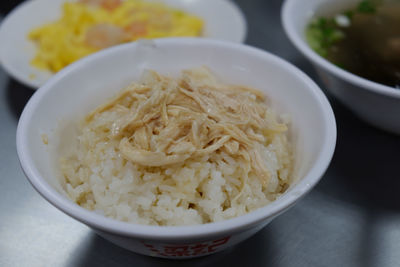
(288, 8)
(179, 232)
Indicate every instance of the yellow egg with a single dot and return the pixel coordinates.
(87, 26)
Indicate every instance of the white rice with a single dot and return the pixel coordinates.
(210, 189)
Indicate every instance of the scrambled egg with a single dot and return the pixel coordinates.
(87, 26)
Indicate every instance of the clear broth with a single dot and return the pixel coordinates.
(370, 46)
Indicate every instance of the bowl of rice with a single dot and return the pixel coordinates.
(178, 147)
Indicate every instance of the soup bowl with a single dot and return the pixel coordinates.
(73, 92)
(376, 104)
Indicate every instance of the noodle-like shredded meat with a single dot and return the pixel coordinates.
(166, 121)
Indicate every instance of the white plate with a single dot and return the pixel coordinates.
(223, 20)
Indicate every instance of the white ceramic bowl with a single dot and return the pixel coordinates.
(80, 87)
(375, 103)
(223, 20)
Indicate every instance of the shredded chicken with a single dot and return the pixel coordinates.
(165, 121)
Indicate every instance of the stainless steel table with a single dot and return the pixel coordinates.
(352, 218)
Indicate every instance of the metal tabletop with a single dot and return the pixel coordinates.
(352, 218)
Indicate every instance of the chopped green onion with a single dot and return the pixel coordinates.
(366, 6)
(322, 33)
